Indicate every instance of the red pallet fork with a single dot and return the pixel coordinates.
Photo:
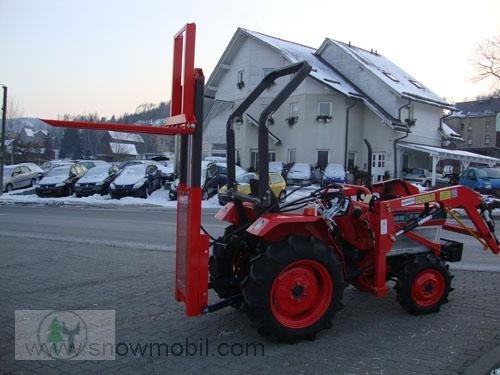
(186, 121)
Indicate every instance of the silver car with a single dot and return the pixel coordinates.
(18, 176)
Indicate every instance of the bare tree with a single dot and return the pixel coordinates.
(487, 60)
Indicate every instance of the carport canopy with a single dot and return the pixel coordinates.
(438, 153)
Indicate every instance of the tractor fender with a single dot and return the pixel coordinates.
(229, 213)
(276, 226)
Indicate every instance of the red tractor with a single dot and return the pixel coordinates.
(287, 265)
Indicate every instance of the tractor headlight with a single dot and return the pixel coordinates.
(112, 186)
(60, 184)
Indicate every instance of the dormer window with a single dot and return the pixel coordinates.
(417, 84)
(391, 77)
(240, 82)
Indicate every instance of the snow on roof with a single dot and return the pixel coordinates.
(478, 108)
(123, 148)
(29, 132)
(129, 137)
(449, 133)
(450, 154)
(295, 52)
(390, 73)
(44, 132)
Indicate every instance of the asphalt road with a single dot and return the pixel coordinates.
(69, 258)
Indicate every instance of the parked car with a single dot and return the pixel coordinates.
(278, 167)
(333, 173)
(95, 181)
(300, 174)
(167, 170)
(423, 177)
(60, 181)
(483, 180)
(34, 168)
(18, 176)
(136, 180)
(276, 183)
(55, 163)
(213, 177)
(93, 163)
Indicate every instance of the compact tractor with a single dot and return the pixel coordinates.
(287, 265)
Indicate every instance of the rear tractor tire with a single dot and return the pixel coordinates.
(293, 289)
(423, 285)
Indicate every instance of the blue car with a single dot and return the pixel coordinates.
(333, 173)
(483, 180)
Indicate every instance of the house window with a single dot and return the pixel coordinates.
(291, 155)
(294, 110)
(417, 84)
(487, 125)
(351, 160)
(462, 128)
(254, 159)
(272, 155)
(325, 108)
(469, 142)
(390, 76)
(240, 82)
(486, 139)
(322, 158)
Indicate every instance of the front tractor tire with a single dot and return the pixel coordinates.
(293, 289)
(423, 285)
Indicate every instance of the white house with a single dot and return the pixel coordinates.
(351, 95)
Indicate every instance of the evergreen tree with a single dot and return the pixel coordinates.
(71, 145)
(55, 336)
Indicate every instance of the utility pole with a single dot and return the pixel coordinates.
(2, 141)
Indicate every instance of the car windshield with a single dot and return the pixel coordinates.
(137, 169)
(300, 167)
(417, 171)
(332, 169)
(245, 178)
(481, 173)
(97, 171)
(7, 171)
(493, 172)
(59, 171)
(275, 166)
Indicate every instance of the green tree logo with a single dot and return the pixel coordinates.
(62, 334)
(55, 337)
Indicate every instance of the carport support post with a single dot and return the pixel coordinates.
(435, 161)
(2, 144)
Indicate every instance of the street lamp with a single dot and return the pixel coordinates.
(2, 141)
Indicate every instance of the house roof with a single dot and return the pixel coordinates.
(294, 52)
(128, 137)
(478, 108)
(123, 148)
(392, 75)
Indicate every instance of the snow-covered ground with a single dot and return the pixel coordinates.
(157, 198)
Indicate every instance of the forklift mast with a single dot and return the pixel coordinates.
(185, 121)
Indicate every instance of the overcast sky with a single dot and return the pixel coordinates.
(109, 56)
